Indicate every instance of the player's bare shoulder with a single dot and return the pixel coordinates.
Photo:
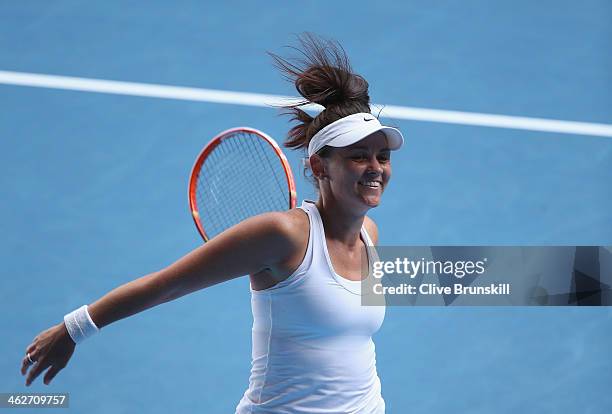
(290, 229)
(295, 225)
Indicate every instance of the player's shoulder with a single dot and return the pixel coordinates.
(280, 234)
(371, 228)
(291, 226)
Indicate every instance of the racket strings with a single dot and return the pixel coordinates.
(240, 178)
(281, 186)
(211, 182)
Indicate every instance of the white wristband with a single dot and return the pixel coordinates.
(79, 324)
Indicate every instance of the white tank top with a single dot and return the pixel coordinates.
(312, 340)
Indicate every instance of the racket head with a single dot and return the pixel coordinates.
(240, 173)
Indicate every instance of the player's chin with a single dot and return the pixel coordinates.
(370, 196)
(371, 200)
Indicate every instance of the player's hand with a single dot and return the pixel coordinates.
(50, 349)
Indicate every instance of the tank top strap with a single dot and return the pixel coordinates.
(366, 237)
(315, 239)
(307, 205)
(320, 267)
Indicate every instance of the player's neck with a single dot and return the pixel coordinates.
(340, 223)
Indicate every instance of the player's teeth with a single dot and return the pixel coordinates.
(374, 184)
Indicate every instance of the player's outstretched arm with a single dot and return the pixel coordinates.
(253, 245)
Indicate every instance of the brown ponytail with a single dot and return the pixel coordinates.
(323, 76)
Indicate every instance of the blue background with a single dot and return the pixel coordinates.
(94, 190)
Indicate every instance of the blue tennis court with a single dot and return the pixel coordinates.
(95, 188)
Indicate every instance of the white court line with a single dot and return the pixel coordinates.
(256, 99)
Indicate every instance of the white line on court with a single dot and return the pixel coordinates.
(256, 99)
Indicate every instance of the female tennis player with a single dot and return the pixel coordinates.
(312, 339)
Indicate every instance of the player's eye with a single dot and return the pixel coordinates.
(359, 157)
(384, 157)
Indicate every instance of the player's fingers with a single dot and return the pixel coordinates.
(36, 370)
(51, 373)
(24, 365)
(25, 362)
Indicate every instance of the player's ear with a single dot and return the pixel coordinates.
(317, 166)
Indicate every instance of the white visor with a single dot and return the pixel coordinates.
(350, 129)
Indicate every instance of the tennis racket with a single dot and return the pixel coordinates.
(240, 173)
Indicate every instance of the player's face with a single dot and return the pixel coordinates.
(359, 173)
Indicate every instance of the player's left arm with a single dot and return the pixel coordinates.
(372, 229)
